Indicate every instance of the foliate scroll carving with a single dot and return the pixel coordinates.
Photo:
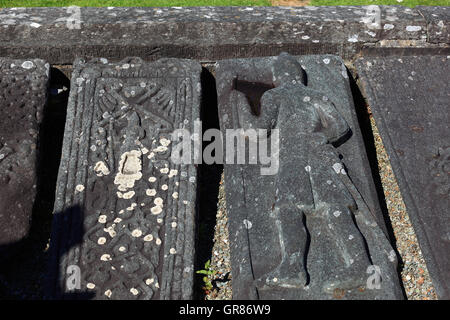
(137, 205)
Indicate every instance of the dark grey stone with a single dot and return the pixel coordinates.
(313, 230)
(410, 99)
(124, 212)
(23, 88)
(203, 33)
(438, 23)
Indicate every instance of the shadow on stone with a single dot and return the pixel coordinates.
(70, 226)
(22, 276)
(208, 186)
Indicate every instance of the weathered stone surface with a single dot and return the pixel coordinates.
(124, 212)
(23, 88)
(438, 23)
(314, 229)
(410, 99)
(203, 33)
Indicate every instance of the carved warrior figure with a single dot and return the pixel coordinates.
(312, 187)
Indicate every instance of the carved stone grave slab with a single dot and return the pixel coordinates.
(124, 211)
(23, 87)
(410, 101)
(312, 229)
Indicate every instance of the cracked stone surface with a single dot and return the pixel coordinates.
(23, 89)
(124, 211)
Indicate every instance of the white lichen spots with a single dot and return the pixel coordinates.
(275, 279)
(164, 170)
(164, 142)
(392, 256)
(159, 220)
(160, 149)
(105, 257)
(150, 192)
(337, 213)
(144, 150)
(79, 188)
(337, 167)
(308, 168)
(388, 26)
(148, 238)
(121, 211)
(353, 38)
(102, 218)
(173, 172)
(172, 251)
(27, 65)
(325, 98)
(101, 240)
(151, 155)
(104, 60)
(329, 182)
(108, 293)
(185, 202)
(110, 230)
(129, 170)
(122, 249)
(134, 291)
(351, 261)
(192, 179)
(128, 195)
(248, 224)
(35, 25)
(136, 233)
(175, 195)
(305, 37)
(117, 220)
(90, 285)
(413, 28)
(351, 237)
(101, 169)
(164, 187)
(131, 208)
(326, 61)
(307, 99)
(158, 201)
(156, 210)
(158, 241)
(152, 179)
(156, 285)
(149, 281)
(174, 224)
(125, 66)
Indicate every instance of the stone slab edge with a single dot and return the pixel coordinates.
(403, 184)
(211, 33)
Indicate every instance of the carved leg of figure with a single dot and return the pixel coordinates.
(351, 249)
(291, 272)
